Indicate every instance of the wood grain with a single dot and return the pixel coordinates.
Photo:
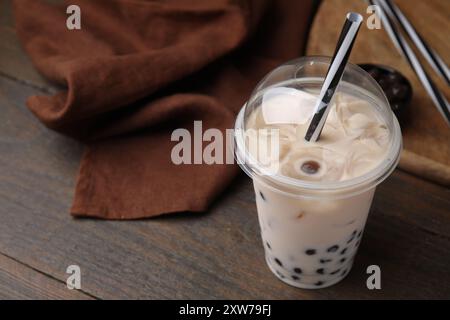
(213, 255)
(19, 282)
(425, 133)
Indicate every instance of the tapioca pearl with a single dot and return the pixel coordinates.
(343, 251)
(294, 277)
(333, 248)
(319, 283)
(310, 252)
(278, 262)
(262, 196)
(320, 271)
(343, 260)
(298, 270)
(352, 237)
(323, 261)
(310, 167)
(335, 271)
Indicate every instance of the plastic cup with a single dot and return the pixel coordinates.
(311, 230)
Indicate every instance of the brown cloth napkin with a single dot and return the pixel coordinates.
(139, 69)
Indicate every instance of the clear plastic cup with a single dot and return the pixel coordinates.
(311, 230)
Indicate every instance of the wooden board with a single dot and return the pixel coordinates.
(217, 254)
(426, 136)
(20, 282)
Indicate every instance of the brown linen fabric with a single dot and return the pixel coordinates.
(139, 69)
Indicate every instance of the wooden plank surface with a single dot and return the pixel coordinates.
(213, 255)
(426, 135)
(217, 254)
(19, 282)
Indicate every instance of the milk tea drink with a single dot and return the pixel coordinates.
(313, 198)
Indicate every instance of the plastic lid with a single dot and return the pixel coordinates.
(285, 100)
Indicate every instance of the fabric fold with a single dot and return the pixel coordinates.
(138, 70)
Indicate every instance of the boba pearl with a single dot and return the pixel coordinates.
(325, 260)
(310, 167)
(375, 73)
(335, 271)
(333, 248)
(352, 236)
(262, 196)
(278, 262)
(396, 87)
(328, 262)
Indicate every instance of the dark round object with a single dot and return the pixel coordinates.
(278, 262)
(395, 86)
(333, 248)
(335, 271)
(310, 167)
(262, 196)
(325, 260)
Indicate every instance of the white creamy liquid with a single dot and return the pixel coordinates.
(354, 139)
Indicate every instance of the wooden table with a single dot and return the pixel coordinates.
(217, 254)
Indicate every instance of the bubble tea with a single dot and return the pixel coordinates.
(313, 198)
